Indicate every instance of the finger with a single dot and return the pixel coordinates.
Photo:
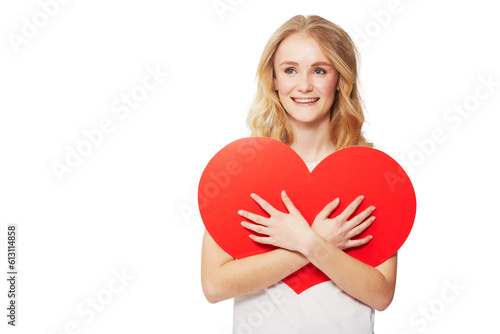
(358, 242)
(253, 217)
(260, 240)
(255, 228)
(360, 217)
(360, 228)
(263, 204)
(328, 209)
(288, 203)
(351, 208)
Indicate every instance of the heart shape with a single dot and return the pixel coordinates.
(266, 167)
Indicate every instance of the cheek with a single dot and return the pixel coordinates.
(327, 87)
(285, 85)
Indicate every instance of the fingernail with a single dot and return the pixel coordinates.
(336, 200)
(371, 237)
(283, 192)
(252, 195)
(240, 212)
(372, 208)
(362, 197)
(373, 218)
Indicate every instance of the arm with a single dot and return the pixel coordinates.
(223, 277)
(372, 286)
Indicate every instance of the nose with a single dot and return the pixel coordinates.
(305, 83)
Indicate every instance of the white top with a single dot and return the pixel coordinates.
(323, 308)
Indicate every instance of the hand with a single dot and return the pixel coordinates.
(339, 231)
(284, 230)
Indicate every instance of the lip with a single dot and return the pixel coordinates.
(306, 101)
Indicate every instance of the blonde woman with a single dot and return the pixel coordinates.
(308, 98)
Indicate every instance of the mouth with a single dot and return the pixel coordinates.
(305, 100)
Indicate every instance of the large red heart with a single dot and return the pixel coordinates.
(266, 167)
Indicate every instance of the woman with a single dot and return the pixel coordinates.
(307, 97)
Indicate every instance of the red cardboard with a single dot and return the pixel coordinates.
(266, 167)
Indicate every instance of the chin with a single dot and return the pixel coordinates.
(309, 119)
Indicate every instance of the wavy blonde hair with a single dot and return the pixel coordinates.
(268, 118)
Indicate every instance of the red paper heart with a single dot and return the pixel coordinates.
(266, 167)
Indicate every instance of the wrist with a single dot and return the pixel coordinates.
(300, 259)
(319, 249)
(310, 241)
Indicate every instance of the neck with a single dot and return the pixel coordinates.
(312, 142)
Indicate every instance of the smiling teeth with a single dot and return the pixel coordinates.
(305, 100)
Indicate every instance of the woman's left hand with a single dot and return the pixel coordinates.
(285, 230)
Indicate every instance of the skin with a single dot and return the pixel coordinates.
(302, 71)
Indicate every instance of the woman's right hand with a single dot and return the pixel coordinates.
(340, 231)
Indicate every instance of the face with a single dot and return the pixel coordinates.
(305, 80)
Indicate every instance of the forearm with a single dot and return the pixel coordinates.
(260, 271)
(361, 281)
(231, 278)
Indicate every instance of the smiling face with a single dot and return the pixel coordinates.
(305, 80)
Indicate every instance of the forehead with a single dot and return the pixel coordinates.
(300, 48)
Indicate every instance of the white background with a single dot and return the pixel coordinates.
(130, 203)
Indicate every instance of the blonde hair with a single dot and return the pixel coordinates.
(267, 117)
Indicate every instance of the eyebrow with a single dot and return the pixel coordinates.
(319, 63)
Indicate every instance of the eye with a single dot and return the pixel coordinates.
(290, 70)
(319, 71)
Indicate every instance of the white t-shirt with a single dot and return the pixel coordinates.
(323, 308)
